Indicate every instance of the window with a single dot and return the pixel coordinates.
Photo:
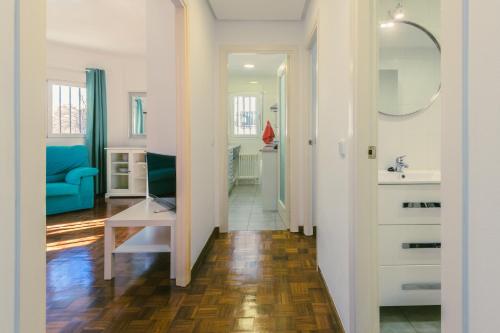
(67, 109)
(246, 115)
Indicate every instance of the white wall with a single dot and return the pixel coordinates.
(334, 193)
(124, 74)
(162, 103)
(258, 33)
(161, 77)
(202, 70)
(268, 89)
(419, 135)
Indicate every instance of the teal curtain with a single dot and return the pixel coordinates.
(139, 116)
(97, 136)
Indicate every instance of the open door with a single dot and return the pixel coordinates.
(283, 174)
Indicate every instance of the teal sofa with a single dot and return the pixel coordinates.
(70, 180)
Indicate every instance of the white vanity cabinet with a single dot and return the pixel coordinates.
(409, 234)
(126, 172)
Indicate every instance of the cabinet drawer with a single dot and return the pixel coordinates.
(409, 204)
(410, 285)
(409, 244)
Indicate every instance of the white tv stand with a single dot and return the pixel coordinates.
(157, 236)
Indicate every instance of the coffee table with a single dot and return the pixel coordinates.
(158, 234)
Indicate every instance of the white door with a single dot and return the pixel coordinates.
(283, 193)
(314, 126)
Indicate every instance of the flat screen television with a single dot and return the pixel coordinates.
(161, 179)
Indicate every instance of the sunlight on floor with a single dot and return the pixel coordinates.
(74, 226)
(70, 243)
(65, 228)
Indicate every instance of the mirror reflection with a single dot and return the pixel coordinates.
(409, 68)
(138, 114)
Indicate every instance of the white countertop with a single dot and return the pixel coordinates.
(409, 177)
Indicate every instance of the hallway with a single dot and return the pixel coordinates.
(249, 281)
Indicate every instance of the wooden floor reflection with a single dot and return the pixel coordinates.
(250, 281)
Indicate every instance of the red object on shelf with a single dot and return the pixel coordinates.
(268, 135)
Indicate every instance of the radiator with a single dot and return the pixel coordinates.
(249, 167)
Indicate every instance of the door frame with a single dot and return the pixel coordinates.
(22, 142)
(183, 145)
(221, 140)
(454, 157)
(364, 179)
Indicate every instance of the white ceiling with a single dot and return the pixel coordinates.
(265, 64)
(259, 10)
(108, 25)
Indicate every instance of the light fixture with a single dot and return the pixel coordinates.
(253, 82)
(249, 66)
(399, 12)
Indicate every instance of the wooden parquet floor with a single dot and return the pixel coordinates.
(249, 282)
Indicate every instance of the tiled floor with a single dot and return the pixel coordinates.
(246, 213)
(410, 319)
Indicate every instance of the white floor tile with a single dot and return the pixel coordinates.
(246, 211)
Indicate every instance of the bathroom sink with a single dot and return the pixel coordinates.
(409, 177)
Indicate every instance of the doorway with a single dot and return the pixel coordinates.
(409, 141)
(256, 136)
(289, 216)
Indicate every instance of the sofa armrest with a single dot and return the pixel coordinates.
(75, 176)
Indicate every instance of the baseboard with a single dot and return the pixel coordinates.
(331, 304)
(301, 230)
(203, 255)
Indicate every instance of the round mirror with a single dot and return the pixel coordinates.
(409, 68)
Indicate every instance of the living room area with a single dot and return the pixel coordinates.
(110, 147)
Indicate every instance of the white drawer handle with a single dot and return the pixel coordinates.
(413, 246)
(421, 205)
(421, 286)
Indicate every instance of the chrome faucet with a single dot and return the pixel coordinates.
(400, 163)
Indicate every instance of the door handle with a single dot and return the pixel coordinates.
(421, 286)
(421, 205)
(410, 246)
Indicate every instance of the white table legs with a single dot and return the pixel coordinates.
(172, 252)
(109, 256)
(109, 246)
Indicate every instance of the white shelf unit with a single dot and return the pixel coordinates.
(126, 172)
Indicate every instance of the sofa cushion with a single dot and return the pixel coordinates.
(62, 159)
(60, 189)
(59, 178)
